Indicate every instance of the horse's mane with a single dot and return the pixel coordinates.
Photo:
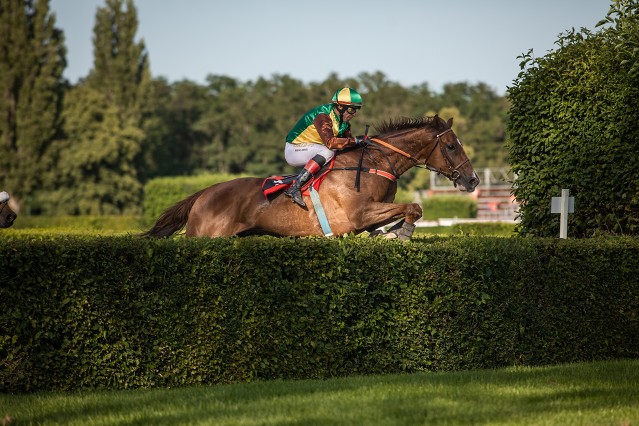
(406, 123)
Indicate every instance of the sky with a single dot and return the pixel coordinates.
(411, 41)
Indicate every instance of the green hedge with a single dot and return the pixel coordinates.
(449, 206)
(162, 193)
(122, 312)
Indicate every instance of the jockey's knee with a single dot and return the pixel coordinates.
(325, 153)
(321, 160)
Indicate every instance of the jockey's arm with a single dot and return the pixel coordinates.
(324, 127)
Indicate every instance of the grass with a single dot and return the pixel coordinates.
(599, 393)
(494, 229)
(98, 225)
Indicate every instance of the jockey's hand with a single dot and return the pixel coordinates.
(361, 140)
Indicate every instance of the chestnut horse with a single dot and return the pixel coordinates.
(239, 207)
(7, 216)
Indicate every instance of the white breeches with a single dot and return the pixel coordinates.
(297, 155)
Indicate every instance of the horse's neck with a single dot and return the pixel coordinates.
(409, 143)
(383, 158)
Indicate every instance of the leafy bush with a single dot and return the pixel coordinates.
(573, 124)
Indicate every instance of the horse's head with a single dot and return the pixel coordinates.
(428, 142)
(447, 156)
(7, 216)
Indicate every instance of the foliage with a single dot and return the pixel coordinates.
(96, 163)
(32, 59)
(95, 172)
(123, 312)
(573, 125)
(449, 206)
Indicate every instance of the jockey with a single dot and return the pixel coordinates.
(322, 130)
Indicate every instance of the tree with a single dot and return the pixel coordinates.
(95, 173)
(98, 162)
(172, 139)
(32, 59)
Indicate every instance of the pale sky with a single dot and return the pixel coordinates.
(410, 41)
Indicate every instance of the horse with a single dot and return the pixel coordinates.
(7, 216)
(356, 194)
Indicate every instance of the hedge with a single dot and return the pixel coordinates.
(449, 206)
(122, 312)
(161, 193)
(573, 125)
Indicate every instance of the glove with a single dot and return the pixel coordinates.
(361, 140)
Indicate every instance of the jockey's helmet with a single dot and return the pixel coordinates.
(347, 96)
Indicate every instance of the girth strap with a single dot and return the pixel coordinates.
(319, 210)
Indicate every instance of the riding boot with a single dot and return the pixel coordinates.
(295, 190)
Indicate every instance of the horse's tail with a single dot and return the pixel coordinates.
(172, 219)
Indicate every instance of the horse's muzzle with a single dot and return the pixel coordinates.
(468, 185)
(8, 220)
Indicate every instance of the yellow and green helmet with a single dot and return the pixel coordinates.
(347, 96)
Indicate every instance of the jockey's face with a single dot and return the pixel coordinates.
(347, 112)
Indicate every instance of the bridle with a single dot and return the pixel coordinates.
(451, 173)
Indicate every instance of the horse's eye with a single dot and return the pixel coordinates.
(451, 146)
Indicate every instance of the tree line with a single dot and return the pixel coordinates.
(89, 147)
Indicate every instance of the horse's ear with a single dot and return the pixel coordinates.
(450, 123)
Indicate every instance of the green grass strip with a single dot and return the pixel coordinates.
(600, 393)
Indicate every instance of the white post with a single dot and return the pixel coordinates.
(487, 177)
(563, 215)
(563, 205)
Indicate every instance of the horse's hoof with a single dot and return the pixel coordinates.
(406, 231)
(390, 235)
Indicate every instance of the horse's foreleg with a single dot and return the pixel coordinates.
(376, 215)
